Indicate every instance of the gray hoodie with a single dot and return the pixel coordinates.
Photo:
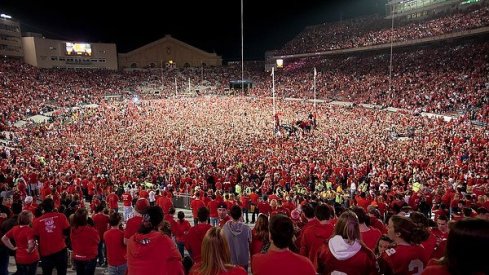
(238, 236)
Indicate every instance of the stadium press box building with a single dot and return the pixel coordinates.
(49, 53)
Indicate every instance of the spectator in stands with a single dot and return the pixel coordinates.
(84, 242)
(196, 234)
(51, 229)
(345, 252)
(26, 253)
(151, 252)
(135, 222)
(279, 259)
(259, 236)
(370, 235)
(238, 237)
(182, 228)
(216, 258)
(101, 221)
(383, 244)
(116, 249)
(315, 235)
(407, 256)
(466, 241)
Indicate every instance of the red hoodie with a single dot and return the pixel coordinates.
(312, 239)
(153, 253)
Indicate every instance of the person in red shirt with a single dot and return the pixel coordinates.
(116, 249)
(280, 259)
(345, 253)
(164, 202)
(84, 242)
(259, 235)
(26, 254)
(127, 202)
(370, 235)
(216, 257)
(264, 207)
(113, 202)
(315, 235)
(151, 252)
(196, 204)
(407, 256)
(212, 206)
(308, 216)
(196, 234)
(182, 227)
(51, 229)
(466, 241)
(29, 204)
(169, 217)
(253, 205)
(101, 222)
(222, 212)
(383, 244)
(134, 223)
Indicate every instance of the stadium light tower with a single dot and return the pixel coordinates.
(242, 51)
(392, 34)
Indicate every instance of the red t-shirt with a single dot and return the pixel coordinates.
(112, 199)
(181, 230)
(84, 242)
(49, 228)
(153, 253)
(362, 263)
(116, 249)
(371, 237)
(436, 270)
(194, 239)
(403, 259)
(224, 221)
(195, 205)
(212, 205)
(127, 199)
(429, 245)
(101, 222)
(234, 270)
(22, 234)
(132, 226)
(280, 263)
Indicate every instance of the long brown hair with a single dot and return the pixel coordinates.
(348, 227)
(215, 253)
(261, 228)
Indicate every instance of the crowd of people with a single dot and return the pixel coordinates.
(375, 30)
(358, 191)
(227, 154)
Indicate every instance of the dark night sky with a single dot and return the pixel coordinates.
(213, 26)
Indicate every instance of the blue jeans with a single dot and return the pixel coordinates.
(181, 247)
(214, 221)
(85, 267)
(58, 260)
(101, 252)
(118, 270)
(26, 269)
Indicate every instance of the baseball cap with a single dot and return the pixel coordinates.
(142, 205)
(222, 205)
(28, 199)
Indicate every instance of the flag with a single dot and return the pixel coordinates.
(273, 69)
(315, 73)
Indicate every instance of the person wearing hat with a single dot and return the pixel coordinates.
(29, 204)
(222, 212)
(134, 223)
